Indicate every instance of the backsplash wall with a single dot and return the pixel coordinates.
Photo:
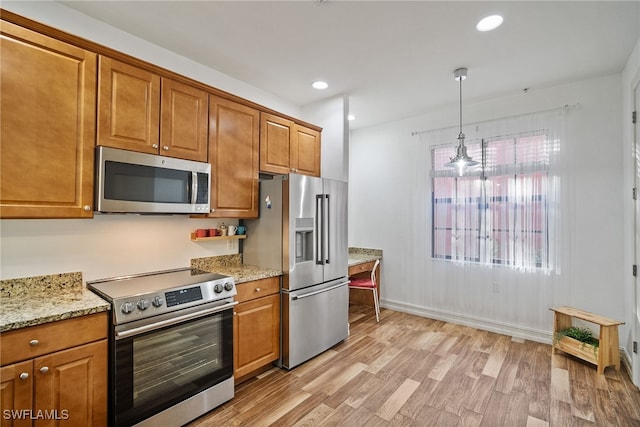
(105, 246)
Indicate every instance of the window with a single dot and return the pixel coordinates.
(496, 213)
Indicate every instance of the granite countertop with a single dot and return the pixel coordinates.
(363, 255)
(36, 300)
(231, 265)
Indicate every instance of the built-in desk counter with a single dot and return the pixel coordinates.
(361, 262)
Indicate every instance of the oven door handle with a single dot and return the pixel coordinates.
(186, 317)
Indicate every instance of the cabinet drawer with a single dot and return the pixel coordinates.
(361, 268)
(34, 341)
(257, 288)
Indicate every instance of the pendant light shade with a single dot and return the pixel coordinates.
(461, 160)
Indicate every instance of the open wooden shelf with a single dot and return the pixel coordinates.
(607, 354)
(202, 239)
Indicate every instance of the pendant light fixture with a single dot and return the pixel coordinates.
(461, 160)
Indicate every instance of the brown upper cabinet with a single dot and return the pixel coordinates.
(305, 151)
(141, 111)
(47, 126)
(233, 154)
(286, 147)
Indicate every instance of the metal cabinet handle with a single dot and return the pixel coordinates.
(87, 208)
(24, 376)
(34, 343)
(165, 148)
(257, 289)
(44, 369)
(154, 146)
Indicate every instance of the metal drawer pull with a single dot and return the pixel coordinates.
(24, 376)
(34, 343)
(257, 289)
(44, 369)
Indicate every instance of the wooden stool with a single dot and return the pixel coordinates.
(608, 353)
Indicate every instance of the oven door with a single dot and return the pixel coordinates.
(157, 363)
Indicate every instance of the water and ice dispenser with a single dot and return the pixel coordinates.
(304, 239)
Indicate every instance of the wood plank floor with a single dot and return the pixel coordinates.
(412, 371)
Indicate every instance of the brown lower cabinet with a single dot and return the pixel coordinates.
(256, 327)
(55, 384)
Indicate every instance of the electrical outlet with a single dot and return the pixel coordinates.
(496, 288)
(230, 244)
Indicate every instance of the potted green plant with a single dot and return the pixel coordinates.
(570, 338)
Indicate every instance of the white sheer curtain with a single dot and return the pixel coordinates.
(497, 231)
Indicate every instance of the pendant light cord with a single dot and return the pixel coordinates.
(460, 79)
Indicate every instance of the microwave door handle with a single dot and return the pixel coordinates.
(194, 187)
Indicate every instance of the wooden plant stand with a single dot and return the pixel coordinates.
(608, 353)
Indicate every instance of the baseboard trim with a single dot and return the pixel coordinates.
(625, 359)
(516, 331)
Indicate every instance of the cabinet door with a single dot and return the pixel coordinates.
(47, 126)
(256, 334)
(276, 136)
(73, 382)
(305, 151)
(128, 107)
(16, 390)
(233, 153)
(183, 118)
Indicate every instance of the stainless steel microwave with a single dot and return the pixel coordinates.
(131, 182)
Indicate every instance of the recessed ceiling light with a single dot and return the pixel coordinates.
(489, 23)
(351, 117)
(320, 85)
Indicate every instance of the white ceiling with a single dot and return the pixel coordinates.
(394, 59)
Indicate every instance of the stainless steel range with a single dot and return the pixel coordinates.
(171, 346)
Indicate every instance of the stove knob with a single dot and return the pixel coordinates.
(228, 286)
(143, 304)
(127, 307)
(157, 301)
(218, 288)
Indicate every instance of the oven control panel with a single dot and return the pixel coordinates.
(151, 304)
(146, 295)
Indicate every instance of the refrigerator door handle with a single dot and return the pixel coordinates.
(328, 230)
(310, 294)
(319, 229)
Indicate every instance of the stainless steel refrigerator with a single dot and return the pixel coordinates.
(302, 229)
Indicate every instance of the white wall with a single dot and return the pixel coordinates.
(105, 246)
(389, 209)
(331, 116)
